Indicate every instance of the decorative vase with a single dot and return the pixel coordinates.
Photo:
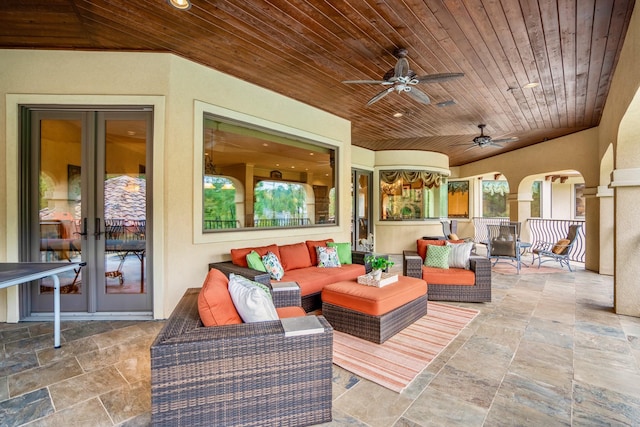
(376, 274)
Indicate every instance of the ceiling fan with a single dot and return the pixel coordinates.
(483, 140)
(402, 79)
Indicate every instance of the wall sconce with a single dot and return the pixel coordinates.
(180, 4)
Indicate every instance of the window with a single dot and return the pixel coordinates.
(409, 194)
(536, 210)
(280, 204)
(458, 199)
(578, 191)
(259, 178)
(494, 199)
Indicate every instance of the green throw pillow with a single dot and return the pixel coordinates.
(255, 261)
(344, 251)
(437, 256)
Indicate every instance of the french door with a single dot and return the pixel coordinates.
(361, 193)
(86, 180)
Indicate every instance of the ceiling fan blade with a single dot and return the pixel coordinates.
(402, 68)
(369, 82)
(379, 96)
(418, 95)
(505, 140)
(438, 78)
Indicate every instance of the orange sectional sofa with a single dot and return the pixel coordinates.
(451, 284)
(299, 261)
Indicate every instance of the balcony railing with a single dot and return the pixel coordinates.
(540, 230)
(552, 230)
(281, 222)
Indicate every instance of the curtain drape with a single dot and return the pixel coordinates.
(430, 179)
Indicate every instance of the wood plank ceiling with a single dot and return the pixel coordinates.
(305, 49)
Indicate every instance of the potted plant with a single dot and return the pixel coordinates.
(378, 263)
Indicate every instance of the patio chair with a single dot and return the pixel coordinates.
(558, 251)
(450, 227)
(503, 244)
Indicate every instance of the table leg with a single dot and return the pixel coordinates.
(56, 311)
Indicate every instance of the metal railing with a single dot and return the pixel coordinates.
(216, 224)
(281, 222)
(481, 234)
(552, 230)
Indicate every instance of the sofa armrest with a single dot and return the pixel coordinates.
(197, 372)
(358, 257)
(481, 266)
(228, 267)
(286, 294)
(411, 264)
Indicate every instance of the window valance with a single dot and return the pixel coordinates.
(429, 179)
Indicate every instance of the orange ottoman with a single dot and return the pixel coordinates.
(371, 313)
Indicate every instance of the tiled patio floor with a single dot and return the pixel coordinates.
(547, 351)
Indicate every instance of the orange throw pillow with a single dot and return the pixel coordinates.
(239, 256)
(422, 246)
(294, 256)
(560, 246)
(215, 305)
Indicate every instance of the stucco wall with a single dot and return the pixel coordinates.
(122, 78)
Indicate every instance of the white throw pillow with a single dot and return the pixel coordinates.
(252, 301)
(459, 255)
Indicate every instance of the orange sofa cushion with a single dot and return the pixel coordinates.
(372, 300)
(311, 246)
(311, 280)
(214, 302)
(294, 256)
(239, 256)
(450, 276)
(422, 244)
(293, 311)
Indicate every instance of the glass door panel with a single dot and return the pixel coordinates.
(59, 223)
(361, 222)
(122, 203)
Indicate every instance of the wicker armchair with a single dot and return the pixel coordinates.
(479, 292)
(249, 374)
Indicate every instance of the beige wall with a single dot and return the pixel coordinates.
(181, 252)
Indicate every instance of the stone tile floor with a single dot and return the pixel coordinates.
(548, 351)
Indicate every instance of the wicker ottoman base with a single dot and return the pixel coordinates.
(377, 329)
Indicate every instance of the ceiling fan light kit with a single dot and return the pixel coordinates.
(402, 79)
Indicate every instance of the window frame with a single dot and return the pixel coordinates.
(203, 109)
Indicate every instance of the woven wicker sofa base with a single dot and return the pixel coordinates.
(238, 375)
(376, 329)
(459, 293)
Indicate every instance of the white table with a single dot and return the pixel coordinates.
(15, 273)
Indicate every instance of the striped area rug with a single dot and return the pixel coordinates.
(396, 362)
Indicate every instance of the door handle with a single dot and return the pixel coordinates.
(84, 229)
(98, 232)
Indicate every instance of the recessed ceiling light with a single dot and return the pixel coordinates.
(180, 4)
(398, 114)
(311, 154)
(264, 144)
(293, 167)
(530, 85)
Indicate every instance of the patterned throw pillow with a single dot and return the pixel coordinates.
(459, 255)
(273, 266)
(438, 256)
(344, 251)
(327, 257)
(253, 303)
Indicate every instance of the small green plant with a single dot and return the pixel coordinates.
(378, 263)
